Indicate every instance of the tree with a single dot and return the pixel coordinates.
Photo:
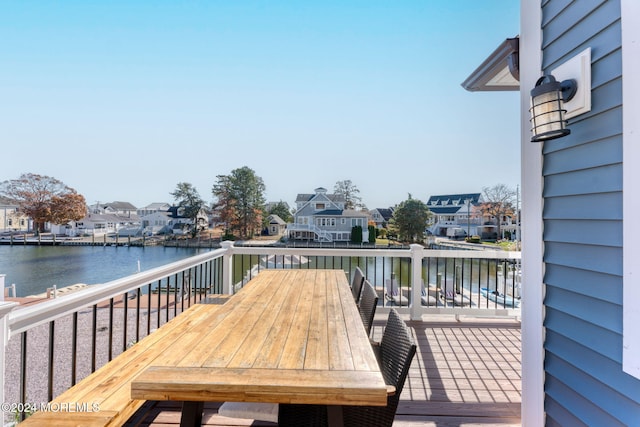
(189, 200)
(240, 200)
(410, 220)
(350, 192)
(44, 199)
(498, 201)
(282, 211)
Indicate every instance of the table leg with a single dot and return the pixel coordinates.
(334, 416)
(191, 414)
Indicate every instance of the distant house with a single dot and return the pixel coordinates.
(455, 211)
(156, 222)
(276, 226)
(381, 216)
(120, 208)
(100, 224)
(179, 224)
(321, 217)
(153, 208)
(10, 217)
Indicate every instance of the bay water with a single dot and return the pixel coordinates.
(33, 269)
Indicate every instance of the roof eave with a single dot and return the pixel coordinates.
(499, 72)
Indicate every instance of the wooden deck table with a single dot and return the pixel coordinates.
(289, 336)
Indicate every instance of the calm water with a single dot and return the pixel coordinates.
(35, 268)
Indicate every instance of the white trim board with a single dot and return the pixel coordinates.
(630, 12)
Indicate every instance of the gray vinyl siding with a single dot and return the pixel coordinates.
(584, 381)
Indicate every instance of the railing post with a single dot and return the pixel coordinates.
(417, 253)
(227, 267)
(2, 276)
(5, 309)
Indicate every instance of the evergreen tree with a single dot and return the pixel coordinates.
(241, 201)
(410, 220)
(190, 202)
(282, 211)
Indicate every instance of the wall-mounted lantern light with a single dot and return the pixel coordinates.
(547, 108)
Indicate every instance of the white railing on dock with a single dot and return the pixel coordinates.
(15, 321)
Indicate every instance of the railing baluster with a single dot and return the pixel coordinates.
(148, 308)
(110, 329)
(138, 297)
(94, 338)
(125, 320)
(23, 371)
(74, 348)
(52, 330)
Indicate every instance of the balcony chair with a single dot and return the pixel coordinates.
(431, 297)
(393, 294)
(367, 306)
(356, 284)
(395, 353)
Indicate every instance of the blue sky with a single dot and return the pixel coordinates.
(122, 100)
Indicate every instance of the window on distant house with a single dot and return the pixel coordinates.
(320, 206)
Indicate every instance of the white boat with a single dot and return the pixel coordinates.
(500, 298)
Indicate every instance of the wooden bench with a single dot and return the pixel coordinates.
(104, 397)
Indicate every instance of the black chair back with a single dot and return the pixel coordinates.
(367, 306)
(397, 350)
(356, 284)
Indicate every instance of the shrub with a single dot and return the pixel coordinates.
(372, 233)
(356, 234)
(472, 239)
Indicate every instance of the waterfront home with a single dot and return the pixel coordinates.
(101, 224)
(124, 209)
(381, 216)
(156, 222)
(455, 211)
(10, 217)
(321, 217)
(179, 224)
(153, 208)
(580, 335)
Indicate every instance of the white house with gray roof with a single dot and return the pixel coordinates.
(321, 217)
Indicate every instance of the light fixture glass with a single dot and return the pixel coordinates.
(547, 108)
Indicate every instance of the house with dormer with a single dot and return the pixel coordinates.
(455, 211)
(321, 217)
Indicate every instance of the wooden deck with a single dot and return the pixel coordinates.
(465, 373)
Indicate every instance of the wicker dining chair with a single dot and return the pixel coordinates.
(356, 284)
(396, 351)
(367, 306)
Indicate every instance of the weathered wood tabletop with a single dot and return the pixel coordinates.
(289, 336)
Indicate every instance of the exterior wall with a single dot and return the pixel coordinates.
(11, 220)
(583, 238)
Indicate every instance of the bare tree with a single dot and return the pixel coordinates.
(350, 192)
(498, 202)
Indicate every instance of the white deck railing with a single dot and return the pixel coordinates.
(226, 269)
